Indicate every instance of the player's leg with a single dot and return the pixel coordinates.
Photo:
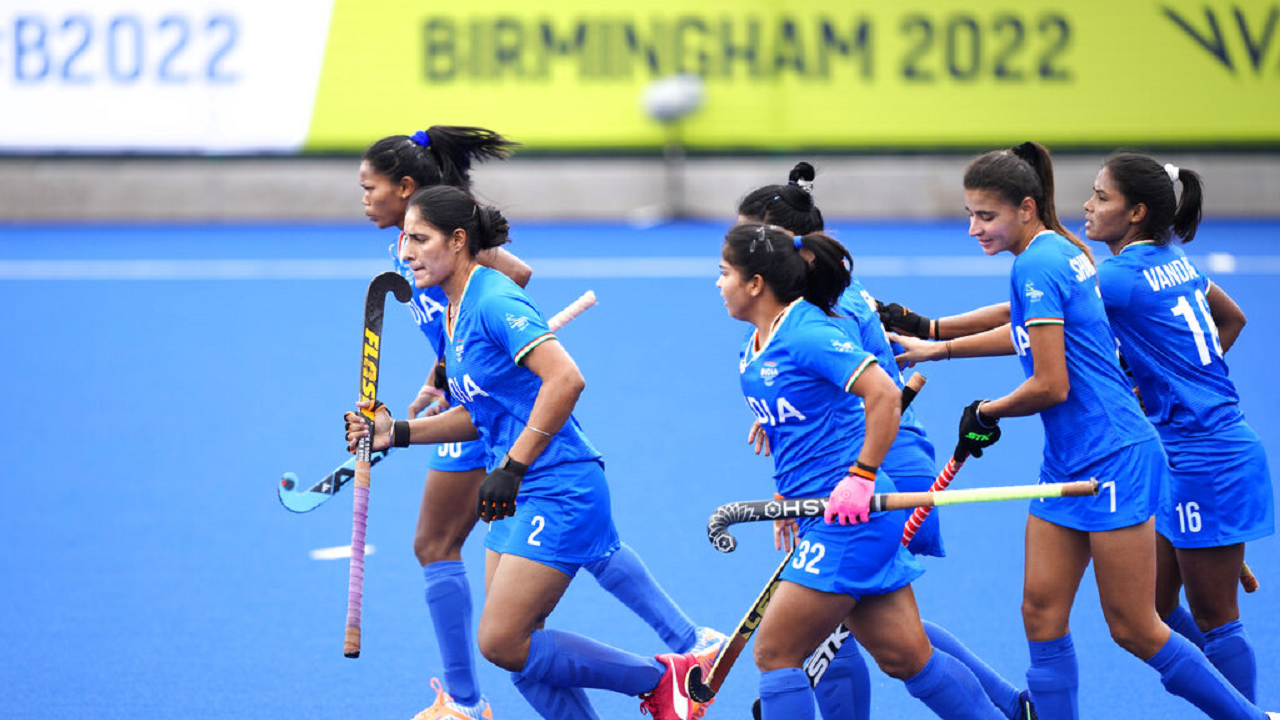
(1169, 592)
(1055, 561)
(889, 627)
(1212, 579)
(844, 693)
(1124, 565)
(797, 619)
(523, 592)
(447, 514)
(624, 575)
(1007, 698)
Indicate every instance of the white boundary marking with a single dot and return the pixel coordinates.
(547, 267)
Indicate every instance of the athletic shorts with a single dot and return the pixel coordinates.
(1131, 480)
(860, 560)
(928, 539)
(1219, 490)
(565, 530)
(459, 457)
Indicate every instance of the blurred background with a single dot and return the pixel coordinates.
(183, 260)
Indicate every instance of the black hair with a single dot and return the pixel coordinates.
(773, 254)
(448, 208)
(444, 159)
(789, 206)
(1021, 172)
(1143, 180)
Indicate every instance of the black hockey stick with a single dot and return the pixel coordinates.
(370, 353)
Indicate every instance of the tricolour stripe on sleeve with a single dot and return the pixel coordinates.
(866, 363)
(1031, 322)
(533, 344)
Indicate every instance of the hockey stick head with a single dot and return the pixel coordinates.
(389, 282)
(696, 687)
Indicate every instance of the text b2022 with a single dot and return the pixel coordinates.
(80, 49)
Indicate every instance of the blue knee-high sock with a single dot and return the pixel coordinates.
(1181, 622)
(564, 659)
(785, 695)
(555, 703)
(449, 602)
(1185, 672)
(950, 690)
(844, 693)
(1054, 679)
(1229, 649)
(624, 575)
(1000, 691)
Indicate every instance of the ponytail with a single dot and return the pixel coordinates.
(440, 155)
(448, 208)
(1141, 179)
(1190, 206)
(774, 255)
(1037, 156)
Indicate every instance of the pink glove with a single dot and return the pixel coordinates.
(851, 500)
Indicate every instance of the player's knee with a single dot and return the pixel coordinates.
(1212, 616)
(1042, 617)
(772, 656)
(900, 663)
(431, 547)
(501, 649)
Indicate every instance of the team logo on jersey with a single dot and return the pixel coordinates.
(457, 351)
(844, 347)
(769, 373)
(1033, 293)
(517, 323)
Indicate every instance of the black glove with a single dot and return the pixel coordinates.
(977, 431)
(899, 319)
(498, 491)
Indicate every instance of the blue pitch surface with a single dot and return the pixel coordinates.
(160, 380)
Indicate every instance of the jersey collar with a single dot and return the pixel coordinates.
(754, 348)
(451, 319)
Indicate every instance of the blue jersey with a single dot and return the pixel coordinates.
(912, 453)
(496, 327)
(1053, 282)
(428, 304)
(797, 384)
(1156, 300)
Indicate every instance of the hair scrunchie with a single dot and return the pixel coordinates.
(421, 138)
(798, 240)
(1172, 170)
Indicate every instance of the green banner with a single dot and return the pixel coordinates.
(814, 75)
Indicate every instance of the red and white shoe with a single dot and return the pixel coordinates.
(669, 699)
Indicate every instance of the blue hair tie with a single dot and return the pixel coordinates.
(421, 138)
(798, 240)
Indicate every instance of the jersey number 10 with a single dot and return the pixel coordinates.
(1183, 309)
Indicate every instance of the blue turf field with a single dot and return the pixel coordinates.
(160, 379)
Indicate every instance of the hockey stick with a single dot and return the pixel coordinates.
(370, 352)
(747, 627)
(944, 479)
(757, 510)
(303, 500)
